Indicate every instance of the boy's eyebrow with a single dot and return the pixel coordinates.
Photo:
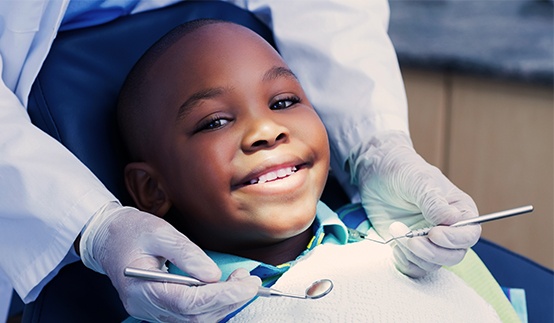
(271, 74)
(203, 94)
(278, 71)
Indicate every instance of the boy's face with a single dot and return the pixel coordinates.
(239, 146)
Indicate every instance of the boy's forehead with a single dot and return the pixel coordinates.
(222, 35)
(212, 45)
(205, 47)
(201, 58)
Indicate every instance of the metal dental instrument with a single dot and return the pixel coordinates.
(316, 290)
(358, 236)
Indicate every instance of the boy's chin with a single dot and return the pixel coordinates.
(279, 248)
(289, 228)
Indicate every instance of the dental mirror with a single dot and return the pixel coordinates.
(319, 288)
(316, 290)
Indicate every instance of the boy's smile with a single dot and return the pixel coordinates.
(271, 171)
(240, 152)
(272, 175)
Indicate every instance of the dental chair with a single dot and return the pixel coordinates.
(74, 99)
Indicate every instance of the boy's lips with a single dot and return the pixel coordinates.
(269, 173)
(273, 175)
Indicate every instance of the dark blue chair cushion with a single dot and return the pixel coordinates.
(74, 100)
(514, 271)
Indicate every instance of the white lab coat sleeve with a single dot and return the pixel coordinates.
(47, 194)
(343, 56)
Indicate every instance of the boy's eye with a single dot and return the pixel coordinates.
(284, 103)
(212, 123)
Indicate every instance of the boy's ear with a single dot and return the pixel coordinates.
(145, 189)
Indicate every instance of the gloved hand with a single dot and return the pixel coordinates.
(396, 184)
(119, 237)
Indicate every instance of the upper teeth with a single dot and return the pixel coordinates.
(280, 173)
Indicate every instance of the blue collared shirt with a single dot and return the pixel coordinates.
(329, 227)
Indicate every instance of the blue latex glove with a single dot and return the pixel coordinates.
(396, 184)
(119, 237)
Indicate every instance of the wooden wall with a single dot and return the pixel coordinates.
(495, 140)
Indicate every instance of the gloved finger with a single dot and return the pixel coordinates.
(409, 258)
(243, 274)
(440, 207)
(179, 250)
(423, 252)
(462, 237)
(426, 253)
(415, 257)
(405, 266)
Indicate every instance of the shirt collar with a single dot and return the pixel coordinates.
(328, 228)
(334, 229)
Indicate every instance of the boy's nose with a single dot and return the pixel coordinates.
(264, 133)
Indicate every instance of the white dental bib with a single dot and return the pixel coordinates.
(368, 288)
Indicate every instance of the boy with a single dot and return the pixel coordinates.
(226, 146)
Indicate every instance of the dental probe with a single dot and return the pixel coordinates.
(424, 231)
(480, 219)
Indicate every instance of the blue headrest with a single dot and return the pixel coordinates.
(75, 94)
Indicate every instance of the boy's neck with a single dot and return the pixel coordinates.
(281, 252)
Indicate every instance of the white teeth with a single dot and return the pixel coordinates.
(280, 173)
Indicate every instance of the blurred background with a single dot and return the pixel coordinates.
(479, 78)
